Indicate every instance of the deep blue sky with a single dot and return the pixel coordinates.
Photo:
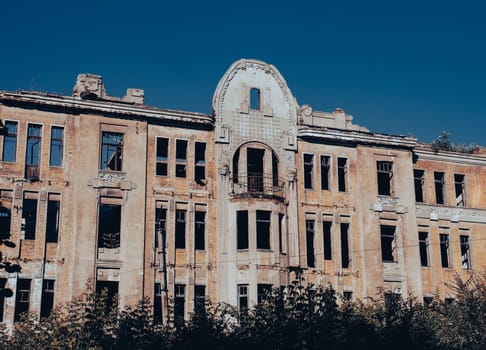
(398, 67)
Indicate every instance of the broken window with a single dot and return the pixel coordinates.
(444, 250)
(439, 187)
(342, 171)
(326, 228)
(162, 157)
(3, 290)
(263, 229)
(344, 245)
(199, 229)
(52, 220)
(57, 138)
(160, 224)
(110, 290)
(47, 300)
(199, 297)
(309, 229)
(418, 178)
(460, 186)
(242, 229)
(280, 233)
(243, 296)
(181, 158)
(32, 154)
(255, 169)
(180, 229)
(465, 252)
(348, 295)
(111, 151)
(109, 223)
(308, 170)
(385, 175)
(263, 290)
(200, 163)
(179, 302)
(157, 303)
(9, 153)
(387, 243)
(424, 248)
(22, 298)
(5, 213)
(325, 171)
(29, 214)
(255, 99)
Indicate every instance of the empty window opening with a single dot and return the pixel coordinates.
(326, 228)
(243, 296)
(22, 298)
(242, 229)
(263, 229)
(344, 245)
(465, 252)
(179, 303)
(9, 153)
(255, 99)
(200, 163)
(56, 151)
(439, 187)
(109, 223)
(5, 213)
(111, 151)
(424, 248)
(199, 297)
(52, 220)
(428, 301)
(418, 178)
(236, 160)
(199, 229)
(3, 294)
(275, 170)
(325, 172)
(108, 289)
(348, 296)
(460, 187)
(444, 250)
(281, 218)
(157, 303)
(32, 154)
(162, 157)
(160, 226)
(309, 229)
(180, 229)
(388, 243)
(255, 169)
(29, 216)
(385, 175)
(47, 301)
(342, 171)
(263, 290)
(181, 158)
(308, 171)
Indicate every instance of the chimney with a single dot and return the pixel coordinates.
(89, 87)
(135, 96)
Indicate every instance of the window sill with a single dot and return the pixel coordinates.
(264, 250)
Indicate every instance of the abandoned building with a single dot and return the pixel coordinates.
(104, 192)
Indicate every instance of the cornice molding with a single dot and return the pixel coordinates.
(453, 214)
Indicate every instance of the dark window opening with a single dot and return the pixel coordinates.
(387, 243)
(428, 300)
(52, 220)
(157, 303)
(325, 171)
(199, 229)
(32, 155)
(308, 170)
(243, 297)
(274, 170)
(181, 158)
(280, 232)
(348, 296)
(109, 223)
(424, 248)
(57, 138)
(439, 187)
(29, 217)
(242, 229)
(263, 229)
(5, 214)
(309, 229)
(179, 303)
(391, 299)
(418, 178)
(465, 252)
(444, 250)
(460, 186)
(110, 290)
(255, 169)
(180, 229)
(111, 151)
(326, 227)
(342, 171)
(3, 294)
(22, 298)
(200, 164)
(9, 153)
(255, 99)
(344, 245)
(160, 226)
(385, 175)
(199, 297)
(162, 157)
(263, 290)
(47, 301)
(236, 159)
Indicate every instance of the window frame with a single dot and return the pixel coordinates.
(384, 172)
(181, 163)
(421, 181)
(424, 246)
(119, 158)
(342, 174)
(163, 160)
(462, 185)
(309, 171)
(8, 135)
(439, 182)
(325, 185)
(261, 240)
(51, 144)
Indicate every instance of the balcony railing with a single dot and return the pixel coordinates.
(258, 185)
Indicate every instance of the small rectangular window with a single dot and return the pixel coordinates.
(242, 229)
(109, 224)
(56, 152)
(22, 298)
(309, 229)
(439, 187)
(52, 219)
(344, 245)
(5, 213)
(263, 290)
(325, 172)
(33, 151)
(424, 248)
(199, 229)
(255, 99)
(199, 297)
(460, 188)
(444, 250)
(47, 299)
(281, 218)
(111, 151)
(181, 158)
(388, 243)
(243, 296)
(160, 225)
(418, 178)
(29, 215)
(308, 171)
(110, 289)
(157, 303)
(348, 296)
(326, 228)
(342, 172)
(200, 164)
(9, 153)
(3, 282)
(465, 252)
(385, 175)
(263, 229)
(162, 157)
(179, 303)
(180, 229)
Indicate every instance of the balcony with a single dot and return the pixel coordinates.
(258, 185)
